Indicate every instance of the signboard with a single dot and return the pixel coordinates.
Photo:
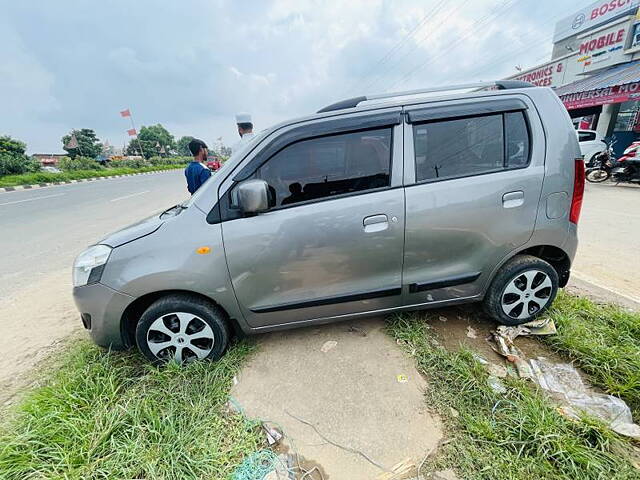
(601, 96)
(548, 75)
(602, 49)
(589, 17)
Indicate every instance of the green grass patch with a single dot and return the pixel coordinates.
(515, 435)
(604, 341)
(46, 177)
(112, 415)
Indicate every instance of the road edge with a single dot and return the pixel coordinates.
(81, 180)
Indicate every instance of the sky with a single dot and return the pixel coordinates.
(192, 64)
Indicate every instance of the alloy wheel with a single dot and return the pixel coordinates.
(526, 294)
(181, 336)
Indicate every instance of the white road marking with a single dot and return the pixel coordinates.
(591, 280)
(32, 199)
(129, 196)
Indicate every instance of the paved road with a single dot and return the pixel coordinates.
(609, 233)
(44, 229)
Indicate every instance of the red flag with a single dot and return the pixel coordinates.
(72, 143)
(132, 132)
(125, 113)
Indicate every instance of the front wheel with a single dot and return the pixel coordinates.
(522, 289)
(182, 328)
(598, 175)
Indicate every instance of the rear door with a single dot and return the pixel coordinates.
(332, 243)
(473, 177)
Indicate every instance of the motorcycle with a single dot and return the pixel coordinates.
(603, 165)
(627, 168)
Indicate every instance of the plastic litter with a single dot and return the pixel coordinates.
(402, 378)
(471, 332)
(259, 465)
(496, 385)
(564, 382)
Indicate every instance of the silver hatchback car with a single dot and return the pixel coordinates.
(372, 205)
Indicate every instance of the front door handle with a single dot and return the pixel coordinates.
(513, 199)
(375, 223)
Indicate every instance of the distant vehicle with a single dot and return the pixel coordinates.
(627, 168)
(213, 163)
(591, 144)
(51, 169)
(362, 208)
(602, 165)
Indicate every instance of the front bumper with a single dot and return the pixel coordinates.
(101, 308)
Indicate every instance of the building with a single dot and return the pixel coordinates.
(48, 159)
(595, 68)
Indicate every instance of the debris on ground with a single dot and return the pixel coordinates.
(273, 434)
(496, 385)
(496, 370)
(354, 329)
(402, 470)
(328, 345)
(565, 384)
(402, 378)
(561, 380)
(471, 332)
(442, 319)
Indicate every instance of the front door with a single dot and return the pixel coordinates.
(332, 243)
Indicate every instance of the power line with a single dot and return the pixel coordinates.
(506, 4)
(400, 43)
(420, 41)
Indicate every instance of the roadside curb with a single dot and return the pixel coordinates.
(93, 179)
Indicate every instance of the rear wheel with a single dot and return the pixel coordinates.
(523, 288)
(182, 328)
(598, 175)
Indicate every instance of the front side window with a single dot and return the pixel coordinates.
(328, 166)
(446, 149)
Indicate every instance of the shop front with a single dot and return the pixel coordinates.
(608, 102)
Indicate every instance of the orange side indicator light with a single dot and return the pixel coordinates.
(203, 250)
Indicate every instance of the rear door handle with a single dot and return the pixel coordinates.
(375, 223)
(513, 199)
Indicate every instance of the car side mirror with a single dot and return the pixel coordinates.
(253, 196)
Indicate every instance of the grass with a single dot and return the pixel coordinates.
(514, 435)
(604, 341)
(111, 415)
(46, 177)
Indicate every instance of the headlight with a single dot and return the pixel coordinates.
(89, 265)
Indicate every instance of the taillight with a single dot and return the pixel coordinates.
(578, 191)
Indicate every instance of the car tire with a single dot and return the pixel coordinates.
(523, 288)
(183, 328)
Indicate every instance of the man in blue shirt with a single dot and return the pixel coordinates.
(196, 172)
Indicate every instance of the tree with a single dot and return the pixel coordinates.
(11, 146)
(88, 143)
(152, 138)
(13, 160)
(183, 146)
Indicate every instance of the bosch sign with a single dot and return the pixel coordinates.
(592, 16)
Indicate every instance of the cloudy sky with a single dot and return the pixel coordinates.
(192, 64)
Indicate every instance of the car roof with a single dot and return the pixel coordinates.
(365, 104)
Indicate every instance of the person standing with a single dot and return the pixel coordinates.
(196, 172)
(245, 130)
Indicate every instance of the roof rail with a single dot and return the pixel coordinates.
(353, 102)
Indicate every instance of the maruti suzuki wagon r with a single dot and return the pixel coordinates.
(372, 205)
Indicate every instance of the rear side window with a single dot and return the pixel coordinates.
(328, 166)
(586, 136)
(446, 149)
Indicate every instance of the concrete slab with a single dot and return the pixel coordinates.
(362, 392)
